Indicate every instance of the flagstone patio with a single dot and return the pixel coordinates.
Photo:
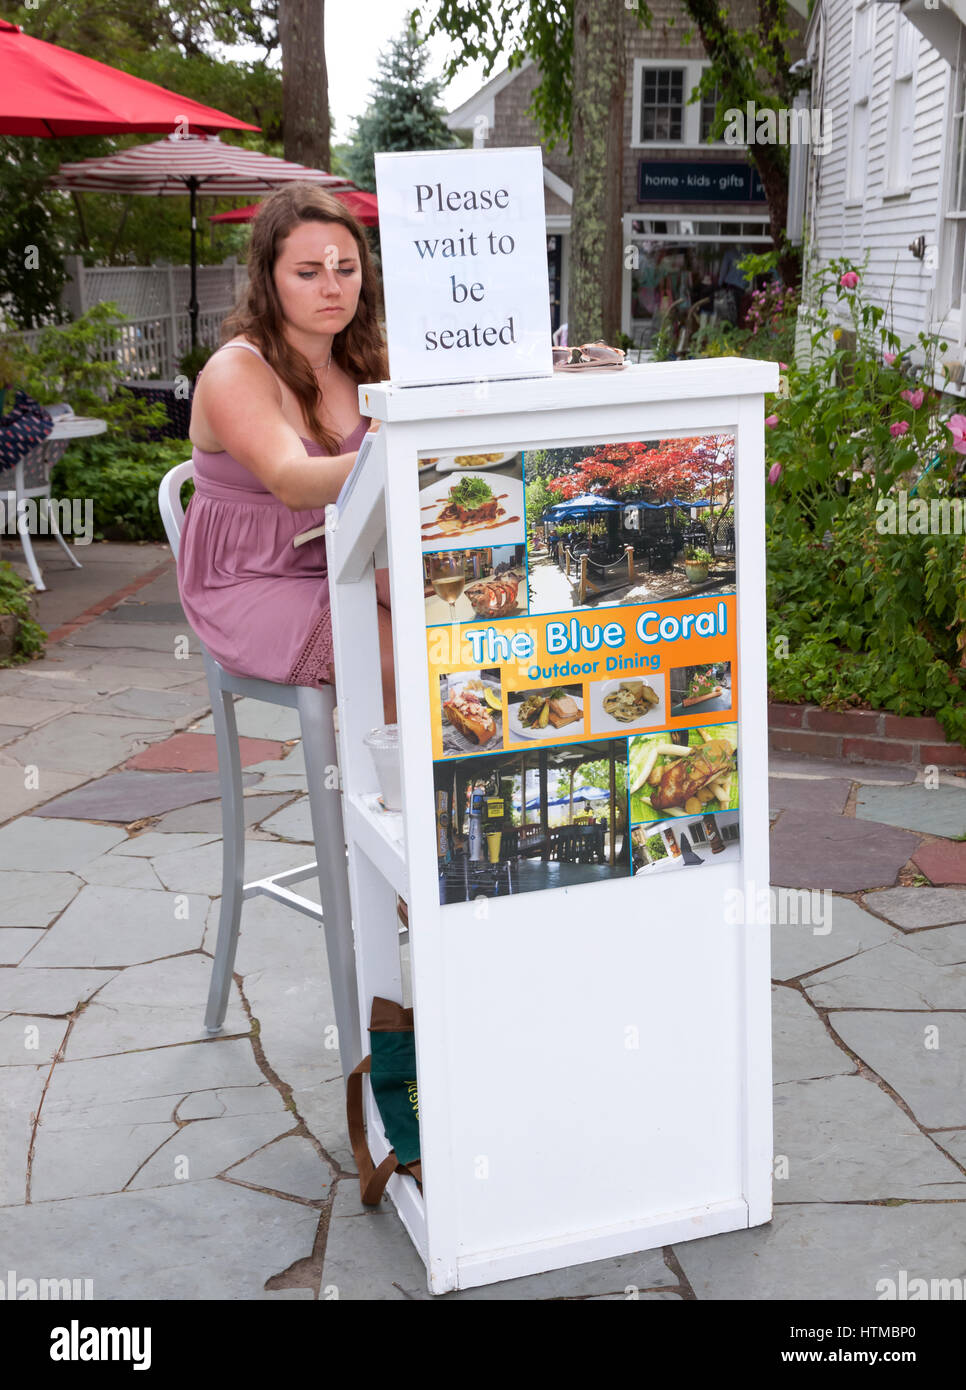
(163, 1164)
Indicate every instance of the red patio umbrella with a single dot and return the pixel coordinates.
(363, 205)
(47, 90)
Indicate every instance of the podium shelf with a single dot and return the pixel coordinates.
(380, 835)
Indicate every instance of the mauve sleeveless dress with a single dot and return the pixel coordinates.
(258, 603)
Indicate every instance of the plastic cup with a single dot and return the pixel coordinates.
(493, 839)
(383, 744)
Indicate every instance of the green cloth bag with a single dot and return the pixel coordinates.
(391, 1067)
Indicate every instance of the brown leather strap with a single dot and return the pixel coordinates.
(372, 1180)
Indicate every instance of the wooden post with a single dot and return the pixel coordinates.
(582, 591)
(570, 814)
(523, 789)
(544, 810)
(613, 808)
(629, 551)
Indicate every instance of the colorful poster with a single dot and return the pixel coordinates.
(582, 654)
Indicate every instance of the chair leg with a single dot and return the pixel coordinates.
(233, 848)
(23, 530)
(56, 533)
(325, 805)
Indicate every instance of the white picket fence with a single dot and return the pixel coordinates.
(156, 329)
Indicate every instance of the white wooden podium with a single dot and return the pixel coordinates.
(594, 1062)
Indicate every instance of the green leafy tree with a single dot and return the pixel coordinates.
(405, 111)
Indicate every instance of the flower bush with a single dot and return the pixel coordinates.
(869, 617)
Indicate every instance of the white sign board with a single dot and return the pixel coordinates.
(464, 255)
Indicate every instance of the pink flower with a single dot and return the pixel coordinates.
(783, 366)
(849, 280)
(771, 421)
(900, 427)
(774, 473)
(888, 358)
(956, 424)
(915, 398)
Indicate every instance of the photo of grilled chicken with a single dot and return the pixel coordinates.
(686, 776)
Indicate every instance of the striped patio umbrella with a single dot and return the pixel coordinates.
(189, 164)
(363, 206)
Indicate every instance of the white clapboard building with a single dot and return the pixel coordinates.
(890, 179)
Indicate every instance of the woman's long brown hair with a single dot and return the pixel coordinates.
(359, 349)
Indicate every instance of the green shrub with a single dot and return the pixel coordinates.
(15, 595)
(122, 481)
(860, 616)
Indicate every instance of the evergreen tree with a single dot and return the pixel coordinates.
(404, 113)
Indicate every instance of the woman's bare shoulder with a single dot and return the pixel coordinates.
(225, 375)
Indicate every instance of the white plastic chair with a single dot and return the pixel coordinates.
(315, 705)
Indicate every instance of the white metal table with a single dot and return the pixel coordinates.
(31, 479)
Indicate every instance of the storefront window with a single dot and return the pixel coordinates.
(687, 276)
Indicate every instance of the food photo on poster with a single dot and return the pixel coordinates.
(638, 522)
(683, 772)
(530, 820)
(698, 690)
(472, 711)
(546, 713)
(622, 705)
(485, 504)
(463, 586)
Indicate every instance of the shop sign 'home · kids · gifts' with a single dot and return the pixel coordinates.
(464, 255)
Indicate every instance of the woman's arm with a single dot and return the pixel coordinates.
(242, 405)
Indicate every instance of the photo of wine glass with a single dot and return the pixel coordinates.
(448, 577)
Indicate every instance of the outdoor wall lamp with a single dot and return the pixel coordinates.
(918, 247)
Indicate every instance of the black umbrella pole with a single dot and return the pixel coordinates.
(193, 301)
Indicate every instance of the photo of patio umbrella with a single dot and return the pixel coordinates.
(189, 164)
(587, 504)
(46, 90)
(362, 205)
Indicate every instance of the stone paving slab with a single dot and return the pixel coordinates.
(150, 843)
(130, 796)
(934, 810)
(198, 753)
(787, 765)
(15, 942)
(893, 976)
(801, 1047)
(942, 862)
(291, 1165)
(85, 743)
(152, 637)
(27, 1041)
(157, 704)
(50, 845)
(205, 1148)
(136, 610)
(121, 871)
(845, 856)
(34, 899)
(206, 1240)
(911, 908)
(90, 1160)
(18, 794)
(206, 815)
(256, 719)
(75, 656)
(152, 1005)
(941, 945)
(322, 1108)
(294, 823)
(954, 1142)
(123, 926)
(847, 1141)
(18, 709)
(798, 948)
(292, 763)
(828, 794)
(922, 1057)
(30, 990)
(20, 1093)
(199, 870)
(10, 732)
(827, 1252)
(82, 683)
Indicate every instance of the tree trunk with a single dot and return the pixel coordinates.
(305, 85)
(774, 178)
(596, 240)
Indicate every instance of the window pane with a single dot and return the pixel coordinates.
(662, 103)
